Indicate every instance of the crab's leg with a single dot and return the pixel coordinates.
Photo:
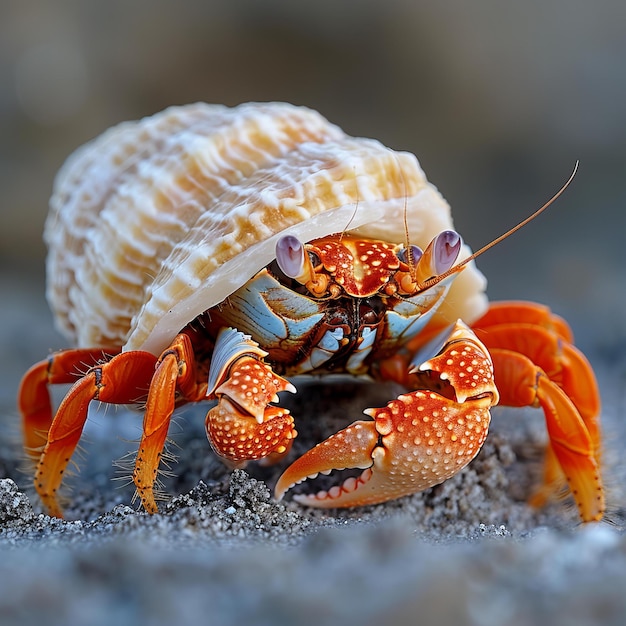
(522, 312)
(562, 363)
(243, 426)
(123, 379)
(533, 331)
(418, 440)
(547, 339)
(175, 372)
(522, 383)
(33, 397)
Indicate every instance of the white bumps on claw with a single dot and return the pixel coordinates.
(253, 385)
(158, 220)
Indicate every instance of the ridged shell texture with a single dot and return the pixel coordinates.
(155, 221)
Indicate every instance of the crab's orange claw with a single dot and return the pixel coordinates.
(117, 381)
(237, 437)
(352, 447)
(33, 396)
(244, 426)
(253, 385)
(418, 440)
(522, 383)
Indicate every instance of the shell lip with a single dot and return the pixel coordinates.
(237, 271)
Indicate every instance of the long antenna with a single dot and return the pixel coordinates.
(356, 205)
(436, 279)
(411, 261)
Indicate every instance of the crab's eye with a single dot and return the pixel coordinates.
(446, 247)
(290, 256)
(315, 260)
(414, 256)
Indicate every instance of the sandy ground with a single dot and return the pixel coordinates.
(222, 551)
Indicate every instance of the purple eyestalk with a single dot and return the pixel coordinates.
(446, 247)
(290, 256)
(415, 256)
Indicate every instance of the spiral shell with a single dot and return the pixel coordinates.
(155, 221)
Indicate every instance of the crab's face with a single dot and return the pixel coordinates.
(360, 268)
(339, 303)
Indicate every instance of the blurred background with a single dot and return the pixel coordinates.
(497, 99)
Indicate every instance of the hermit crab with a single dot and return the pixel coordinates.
(214, 253)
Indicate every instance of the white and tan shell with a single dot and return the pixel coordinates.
(155, 221)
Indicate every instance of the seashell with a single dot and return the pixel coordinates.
(156, 221)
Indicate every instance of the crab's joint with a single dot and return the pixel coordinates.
(318, 286)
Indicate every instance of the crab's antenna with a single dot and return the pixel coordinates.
(410, 259)
(356, 205)
(436, 279)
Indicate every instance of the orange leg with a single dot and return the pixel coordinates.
(535, 364)
(518, 311)
(175, 371)
(34, 404)
(128, 378)
(124, 379)
(562, 363)
(521, 383)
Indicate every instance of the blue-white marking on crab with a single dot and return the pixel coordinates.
(355, 362)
